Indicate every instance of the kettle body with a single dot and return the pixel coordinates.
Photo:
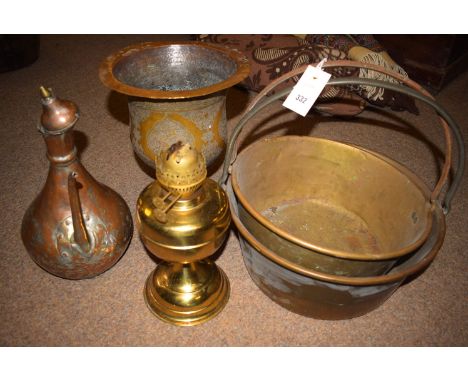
(76, 227)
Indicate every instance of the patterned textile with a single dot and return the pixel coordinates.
(368, 41)
(271, 56)
(366, 48)
(345, 42)
(337, 41)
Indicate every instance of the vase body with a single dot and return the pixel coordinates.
(200, 121)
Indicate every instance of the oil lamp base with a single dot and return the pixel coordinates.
(187, 294)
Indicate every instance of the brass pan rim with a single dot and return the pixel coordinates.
(331, 252)
(394, 276)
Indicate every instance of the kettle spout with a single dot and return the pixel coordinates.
(80, 234)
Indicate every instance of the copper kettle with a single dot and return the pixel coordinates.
(76, 227)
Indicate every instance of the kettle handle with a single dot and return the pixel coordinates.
(413, 90)
(80, 234)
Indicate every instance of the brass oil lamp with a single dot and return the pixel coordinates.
(183, 218)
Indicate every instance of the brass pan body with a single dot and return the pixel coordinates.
(311, 293)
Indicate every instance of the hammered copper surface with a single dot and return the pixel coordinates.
(76, 227)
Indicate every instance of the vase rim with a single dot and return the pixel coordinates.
(107, 75)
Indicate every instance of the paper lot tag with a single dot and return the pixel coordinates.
(307, 89)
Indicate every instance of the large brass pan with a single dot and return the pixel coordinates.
(337, 274)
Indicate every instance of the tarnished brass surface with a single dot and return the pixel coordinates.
(329, 206)
(401, 79)
(76, 227)
(177, 91)
(326, 296)
(183, 221)
(183, 172)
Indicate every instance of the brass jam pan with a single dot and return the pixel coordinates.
(343, 190)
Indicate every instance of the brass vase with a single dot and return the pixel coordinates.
(76, 227)
(176, 91)
(183, 218)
